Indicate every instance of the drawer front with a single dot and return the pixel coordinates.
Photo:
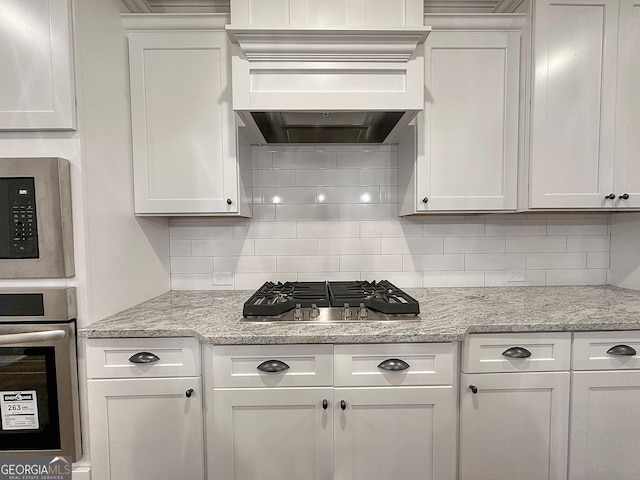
(116, 358)
(534, 352)
(280, 366)
(606, 351)
(381, 365)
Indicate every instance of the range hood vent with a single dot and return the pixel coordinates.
(297, 81)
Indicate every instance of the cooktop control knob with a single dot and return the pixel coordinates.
(363, 313)
(297, 314)
(346, 313)
(314, 312)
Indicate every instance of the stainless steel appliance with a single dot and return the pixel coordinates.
(39, 409)
(36, 235)
(330, 302)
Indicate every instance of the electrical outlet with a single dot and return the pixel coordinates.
(222, 279)
(516, 275)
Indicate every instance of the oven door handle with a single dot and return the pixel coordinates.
(32, 337)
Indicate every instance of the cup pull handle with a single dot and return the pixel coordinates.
(273, 366)
(517, 352)
(621, 350)
(393, 365)
(144, 357)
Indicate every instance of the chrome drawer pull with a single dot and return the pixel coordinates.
(516, 352)
(393, 365)
(622, 350)
(273, 366)
(144, 357)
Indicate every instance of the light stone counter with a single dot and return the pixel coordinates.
(447, 314)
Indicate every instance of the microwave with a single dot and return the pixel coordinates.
(36, 233)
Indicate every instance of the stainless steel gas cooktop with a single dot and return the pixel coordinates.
(330, 302)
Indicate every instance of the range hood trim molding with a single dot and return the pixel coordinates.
(327, 44)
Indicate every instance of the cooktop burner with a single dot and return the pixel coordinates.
(355, 301)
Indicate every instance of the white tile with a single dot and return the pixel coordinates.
(345, 178)
(498, 278)
(556, 261)
(367, 160)
(389, 229)
(180, 248)
(223, 230)
(389, 194)
(494, 261)
(191, 222)
(253, 281)
(344, 147)
(286, 246)
(598, 259)
(349, 246)
(577, 277)
(288, 213)
(221, 248)
(261, 160)
(368, 263)
(191, 282)
(389, 147)
(566, 226)
(328, 276)
(264, 213)
(399, 279)
(412, 246)
(516, 228)
(273, 178)
(381, 211)
(474, 245)
(245, 264)
(266, 230)
(450, 262)
(191, 265)
(589, 244)
(536, 244)
(377, 176)
(302, 263)
(285, 195)
(358, 195)
(290, 148)
(453, 228)
(328, 229)
(452, 279)
(304, 160)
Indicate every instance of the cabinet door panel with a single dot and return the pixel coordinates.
(605, 420)
(270, 434)
(146, 429)
(515, 426)
(573, 116)
(402, 433)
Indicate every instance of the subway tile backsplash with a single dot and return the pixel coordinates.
(329, 212)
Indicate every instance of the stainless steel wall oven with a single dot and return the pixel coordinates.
(39, 408)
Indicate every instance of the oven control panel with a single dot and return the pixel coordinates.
(19, 231)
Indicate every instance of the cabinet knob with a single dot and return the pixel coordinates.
(144, 357)
(343, 405)
(624, 196)
(229, 202)
(611, 196)
(473, 389)
(273, 366)
(325, 404)
(625, 350)
(425, 200)
(188, 393)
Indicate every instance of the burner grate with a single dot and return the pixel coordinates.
(277, 298)
(383, 297)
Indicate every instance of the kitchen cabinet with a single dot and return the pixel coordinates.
(514, 406)
(37, 89)
(188, 156)
(146, 419)
(605, 406)
(585, 105)
(383, 423)
(463, 153)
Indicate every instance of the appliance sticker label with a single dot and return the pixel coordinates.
(19, 410)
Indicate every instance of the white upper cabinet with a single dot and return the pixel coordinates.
(584, 150)
(186, 151)
(465, 155)
(37, 83)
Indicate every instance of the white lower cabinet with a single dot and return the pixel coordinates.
(325, 431)
(144, 425)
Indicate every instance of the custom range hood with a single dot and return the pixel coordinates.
(319, 71)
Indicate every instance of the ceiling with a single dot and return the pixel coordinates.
(222, 6)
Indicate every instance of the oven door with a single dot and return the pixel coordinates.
(38, 390)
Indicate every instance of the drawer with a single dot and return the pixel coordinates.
(115, 358)
(484, 353)
(595, 351)
(373, 365)
(291, 365)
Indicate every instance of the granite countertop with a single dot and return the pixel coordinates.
(447, 314)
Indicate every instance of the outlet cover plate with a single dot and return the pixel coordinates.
(516, 275)
(222, 279)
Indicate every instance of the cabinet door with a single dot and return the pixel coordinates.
(36, 85)
(627, 169)
(573, 125)
(515, 426)
(605, 420)
(400, 433)
(270, 434)
(183, 128)
(468, 132)
(146, 429)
